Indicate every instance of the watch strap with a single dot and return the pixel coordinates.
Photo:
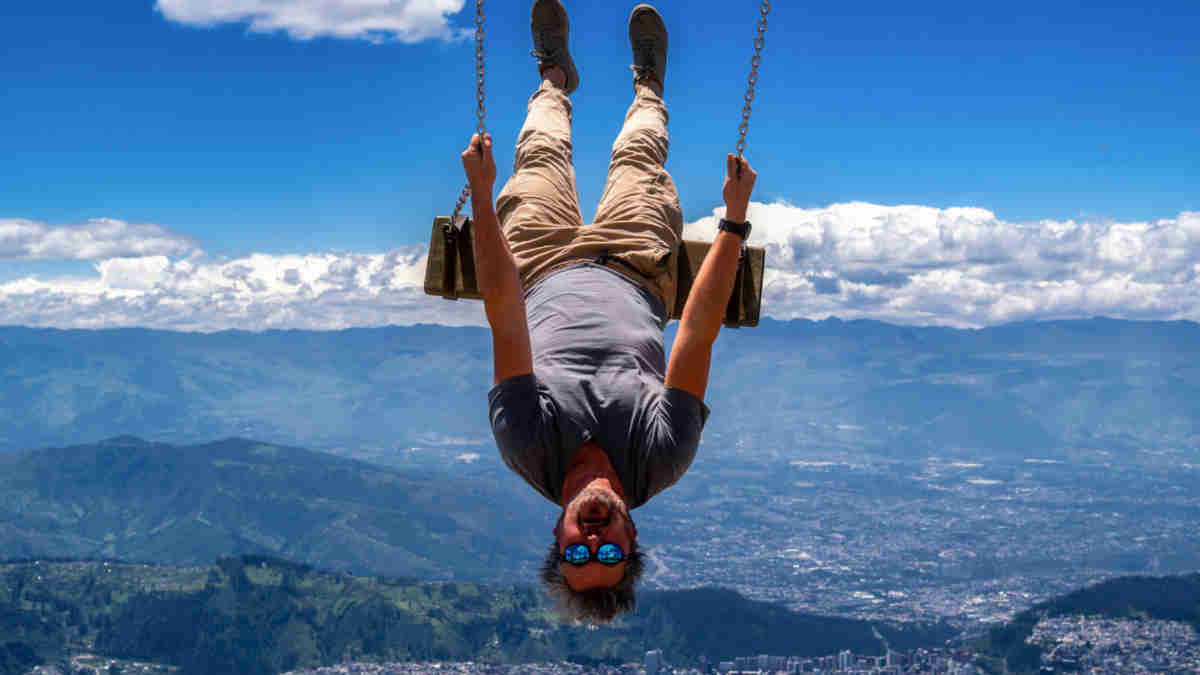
(740, 229)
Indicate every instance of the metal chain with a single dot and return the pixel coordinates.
(752, 80)
(480, 109)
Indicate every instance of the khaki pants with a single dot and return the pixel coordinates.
(639, 219)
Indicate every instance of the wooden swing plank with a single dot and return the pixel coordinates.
(454, 257)
(747, 291)
(436, 268)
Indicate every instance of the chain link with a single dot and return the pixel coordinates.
(480, 109)
(752, 80)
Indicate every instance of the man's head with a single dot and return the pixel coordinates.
(593, 591)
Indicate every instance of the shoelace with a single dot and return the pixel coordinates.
(546, 55)
(644, 55)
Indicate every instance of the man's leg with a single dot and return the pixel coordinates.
(538, 208)
(639, 218)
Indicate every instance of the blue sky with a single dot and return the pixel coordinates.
(303, 138)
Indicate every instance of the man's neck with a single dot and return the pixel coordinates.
(590, 467)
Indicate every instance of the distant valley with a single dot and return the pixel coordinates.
(855, 469)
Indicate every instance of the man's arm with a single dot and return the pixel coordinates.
(705, 310)
(503, 297)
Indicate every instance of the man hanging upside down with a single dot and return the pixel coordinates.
(585, 408)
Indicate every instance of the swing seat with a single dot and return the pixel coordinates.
(450, 272)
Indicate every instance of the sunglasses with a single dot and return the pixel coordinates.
(607, 554)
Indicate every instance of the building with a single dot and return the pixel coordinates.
(654, 661)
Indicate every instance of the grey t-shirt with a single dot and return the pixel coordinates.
(598, 370)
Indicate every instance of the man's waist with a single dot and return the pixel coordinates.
(613, 266)
(606, 260)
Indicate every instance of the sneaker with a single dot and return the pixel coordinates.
(648, 37)
(551, 29)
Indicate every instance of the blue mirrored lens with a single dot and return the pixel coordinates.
(609, 554)
(576, 554)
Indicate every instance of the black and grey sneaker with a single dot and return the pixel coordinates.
(648, 37)
(550, 28)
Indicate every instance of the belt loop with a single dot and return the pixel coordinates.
(603, 258)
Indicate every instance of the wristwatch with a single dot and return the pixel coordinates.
(740, 229)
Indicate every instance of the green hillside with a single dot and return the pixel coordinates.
(129, 499)
(1164, 598)
(258, 615)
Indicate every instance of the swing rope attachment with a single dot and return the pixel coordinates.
(751, 81)
(480, 109)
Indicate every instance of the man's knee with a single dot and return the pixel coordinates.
(540, 148)
(640, 147)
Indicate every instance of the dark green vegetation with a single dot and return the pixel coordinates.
(186, 505)
(252, 615)
(1032, 388)
(1163, 598)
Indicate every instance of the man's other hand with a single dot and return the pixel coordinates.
(737, 188)
(479, 164)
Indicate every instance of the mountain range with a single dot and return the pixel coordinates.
(1034, 388)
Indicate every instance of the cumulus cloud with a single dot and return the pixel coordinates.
(960, 267)
(965, 267)
(407, 21)
(317, 291)
(97, 238)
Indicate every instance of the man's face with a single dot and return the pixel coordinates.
(595, 517)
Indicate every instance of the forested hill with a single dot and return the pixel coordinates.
(131, 499)
(1165, 598)
(254, 615)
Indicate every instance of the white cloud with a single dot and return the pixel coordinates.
(97, 238)
(316, 291)
(965, 267)
(375, 20)
(904, 264)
